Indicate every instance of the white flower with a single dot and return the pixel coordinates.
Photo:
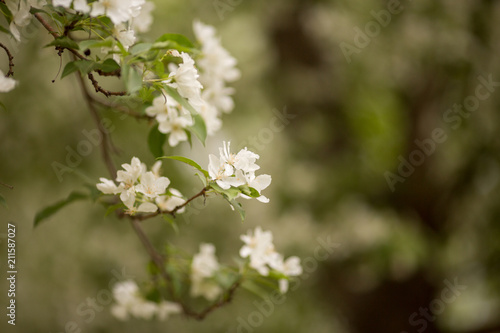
(222, 173)
(209, 114)
(143, 21)
(129, 301)
(218, 95)
(290, 267)
(185, 77)
(6, 83)
(216, 62)
(124, 35)
(107, 186)
(165, 309)
(259, 183)
(172, 118)
(259, 247)
(81, 6)
(167, 203)
(152, 186)
(62, 3)
(117, 10)
(204, 267)
(21, 17)
(132, 172)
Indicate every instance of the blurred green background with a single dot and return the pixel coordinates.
(356, 118)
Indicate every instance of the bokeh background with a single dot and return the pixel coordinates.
(356, 118)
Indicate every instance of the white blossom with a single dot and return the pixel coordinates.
(143, 21)
(234, 170)
(203, 268)
(138, 188)
(260, 250)
(21, 17)
(124, 35)
(62, 3)
(168, 203)
(129, 302)
(6, 83)
(185, 77)
(118, 11)
(81, 6)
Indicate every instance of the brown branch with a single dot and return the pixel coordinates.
(11, 60)
(106, 139)
(106, 93)
(159, 261)
(96, 85)
(175, 210)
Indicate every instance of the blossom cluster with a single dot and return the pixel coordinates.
(142, 191)
(202, 83)
(203, 269)
(234, 170)
(259, 248)
(129, 302)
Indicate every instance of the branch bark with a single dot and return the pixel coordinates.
(11, 60)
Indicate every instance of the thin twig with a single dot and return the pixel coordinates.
(96, 85)
(8, 186)
(11, 60)
(175, 210)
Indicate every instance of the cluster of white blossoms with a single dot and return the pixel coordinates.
(234, 170)
(259, 248)
(142, 191)
(119, 11)
(129, 302)
(205, 90)
(217, 67)
(203, 270)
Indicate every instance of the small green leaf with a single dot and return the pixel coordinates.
(202, 179)
(3, 202)
(6, 12)
(250, 191)
(229, 194)
(173, 41)
(156, 140)
(140, 48)
(92, 43)
(65, 42)
(52, 209)
(112, 209)
(85, 66)
(133, 80)
(108, 66)
(2, 29)
(172, 223)
(69, 68)
(187, 161)
(239, 208)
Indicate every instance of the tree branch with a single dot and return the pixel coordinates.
(7, 185)
(96, 85)
(175, 210)
(11, 60)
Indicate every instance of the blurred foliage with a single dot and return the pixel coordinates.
(353, 123)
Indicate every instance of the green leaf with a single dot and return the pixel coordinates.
(133, 80)
(172, 223)
(239, 208)
(6, 12)
(2, 29)
(52, 209)
(3, 202)
(65, 42)
(229, 194)
(112, 209)
(173, 41)
(250, 191)
(199, 128)
(108, 66)
(156, 140)
(69, 68)
(85, 66)
(187, 161)
(202, 179)
(140, 48)
(92, 43)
